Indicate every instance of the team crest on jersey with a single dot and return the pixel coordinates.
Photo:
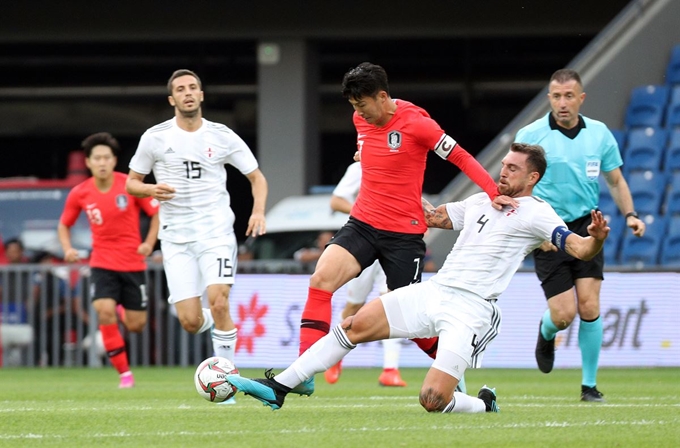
(122, 201)
(209, 152)
(394, 140)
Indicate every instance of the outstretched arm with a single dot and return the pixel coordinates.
(580, 247)
(450, 150)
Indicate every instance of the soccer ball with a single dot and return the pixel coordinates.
(211, 379)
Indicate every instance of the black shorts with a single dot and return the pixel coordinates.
(557, 271)
(126, 288)
(400, 254)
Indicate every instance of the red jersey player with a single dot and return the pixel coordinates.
(118, 256)
(387, 222)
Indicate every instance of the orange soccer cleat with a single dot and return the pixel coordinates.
(332, 375)
(391, 378)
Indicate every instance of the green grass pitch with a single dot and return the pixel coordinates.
(84, 407)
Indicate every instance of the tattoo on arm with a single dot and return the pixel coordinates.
(439, 218)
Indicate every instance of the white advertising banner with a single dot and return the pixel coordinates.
(640, 312)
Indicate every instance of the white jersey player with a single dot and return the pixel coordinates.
(358, 289)
(187, 155)
(458, 304)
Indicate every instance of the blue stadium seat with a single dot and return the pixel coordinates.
(620, 137)
(673, 67)
(647, 189)
(656, 225)
(672, 206)
(670, 251)
(611, 249)
(671, 161)
(673, 226)
(645, 149)
(647, 106)
(644, 158)
(673, 109)
(618, 230)
(640, 251)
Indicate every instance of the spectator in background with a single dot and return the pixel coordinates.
(15, 293)
(57, 309)
(118, 259)
(312, 254)
(14, 251)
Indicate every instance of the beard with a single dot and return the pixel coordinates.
(507, 190)
(189, 113)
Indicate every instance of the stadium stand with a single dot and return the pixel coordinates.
(647, 106)
(645, 149)
(673, 69)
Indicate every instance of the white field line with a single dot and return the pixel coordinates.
(334, 428)
(376, 402)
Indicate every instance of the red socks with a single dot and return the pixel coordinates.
(115, 347)
(316, 317)
(428, 345)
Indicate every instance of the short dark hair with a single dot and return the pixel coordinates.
(16, 241)
(100, 138)
(566, 74)
(535, 157)
(365, 79)
(182, 72)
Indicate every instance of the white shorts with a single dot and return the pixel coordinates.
(191, 267)
(359, 288)
(464, 323)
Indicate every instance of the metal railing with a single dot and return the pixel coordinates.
(46, 319)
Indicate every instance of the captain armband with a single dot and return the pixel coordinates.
(559, 237)
(445, 146)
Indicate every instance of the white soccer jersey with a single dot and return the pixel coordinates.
(193, 163)
(348, 187)
(493, 243)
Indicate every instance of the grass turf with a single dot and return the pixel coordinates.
(84, 407)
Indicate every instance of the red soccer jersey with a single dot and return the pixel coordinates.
(393, 159)
(114, 220)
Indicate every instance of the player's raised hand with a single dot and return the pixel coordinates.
(598, 229)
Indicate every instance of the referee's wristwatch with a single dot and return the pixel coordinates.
(633, 214)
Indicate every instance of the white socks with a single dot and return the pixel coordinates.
(464, 403)
(224, 343)
(325, 353)
(391, 352)
(207, 321)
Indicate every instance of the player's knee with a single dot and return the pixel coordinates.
(432, 400)
(562, 318)
(220, 308)
(136, 326)
(106, 316)
(191, 325)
